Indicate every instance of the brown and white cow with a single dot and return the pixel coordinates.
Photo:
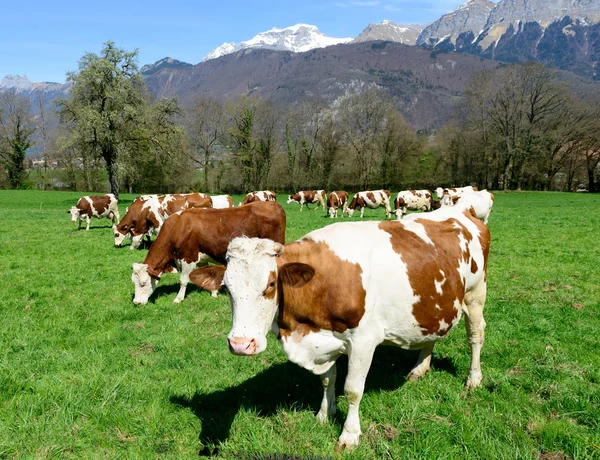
(454, 191)
(222, 201)
(370, 199)
(336, 200)
(95, 206)
(304, 197)
(415, 200)
(132, 213)
(158, 209)
(481, 202)
(262, 195)
(407, 284)
(196, 236)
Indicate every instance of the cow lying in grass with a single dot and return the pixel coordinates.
(407, 284)
(198, 236)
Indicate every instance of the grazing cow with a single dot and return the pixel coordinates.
(156, 210)
(304, 197)
(129, 220)
(372, 199)
(196, 236)
(481, 202)
(335, 200)
(95, 206)
(454, 191)
(415, 200)
(222, 202)
(263, 195)
(407, 284)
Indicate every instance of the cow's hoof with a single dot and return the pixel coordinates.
(322, 417)
(347, 442)
(214, 294)
(414, 377)
(178, 300)
(474, 380)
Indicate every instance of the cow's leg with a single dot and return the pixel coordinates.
(359, 362)
(423, 364)
(87, 222)
(301, 206)
(475, 324)
(79, 219)
(184, 279)
(362, 212)
(328, 408)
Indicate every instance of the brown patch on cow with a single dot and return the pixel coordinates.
(387, 193)
(318, 290)
(492, 197)
(296, 197)
(475, 189)
(473, 266)
(353, 203)
(424, 263)
(309, 196)
(370, 196)
(435, 204)
(230, 201)
(414, 192)
(399, 202)
(208, 277)
(337, 199)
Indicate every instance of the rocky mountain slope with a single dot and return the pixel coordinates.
(297, 38)
(390, 31)
(562, 33)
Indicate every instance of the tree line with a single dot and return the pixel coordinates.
(516, 127)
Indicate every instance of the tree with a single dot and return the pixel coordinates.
(16, 128)
(206, 129)
(106, 104)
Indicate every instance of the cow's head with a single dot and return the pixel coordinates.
(74, 211)
(446, 199)
(120, 235)
(136, 239)
(295, 198)
(351, 206)
(400, 207)
(332, 210)
(144, 284)
(439, 192)
(251, 281)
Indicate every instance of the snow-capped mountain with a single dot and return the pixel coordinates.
(21, 83)
(390, 31)
(298, 38)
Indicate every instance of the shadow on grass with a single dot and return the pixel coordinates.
(288, 386)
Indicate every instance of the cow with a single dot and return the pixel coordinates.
(415, 200)
(304, 197)
(370, 199)
(335, 200)
(263, 195)
(95, 206)
(222, 202)
(132, 213)
(407, 284)
(156, 210)
(455, 191)
(196, 236)
(481, 202)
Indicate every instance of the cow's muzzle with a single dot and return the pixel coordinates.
(242, 346)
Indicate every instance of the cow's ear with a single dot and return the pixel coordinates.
(209, 277)
(296, 274)
(455, 199)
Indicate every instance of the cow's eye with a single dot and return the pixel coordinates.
(272, 284)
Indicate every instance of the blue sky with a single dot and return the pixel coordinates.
(45, 39)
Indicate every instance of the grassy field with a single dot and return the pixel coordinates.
(85, 373)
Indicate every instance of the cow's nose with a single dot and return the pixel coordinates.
(242, 346)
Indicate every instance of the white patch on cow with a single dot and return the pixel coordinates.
(439, 284)
(416, 228)
(316, 351)
(220, 201)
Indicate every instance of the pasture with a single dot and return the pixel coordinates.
(85, 373)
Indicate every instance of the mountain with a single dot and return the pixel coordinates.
(167, 62)
(298, 38)
(559, 33)
(390, 31)
(425, 85)
(469, 17)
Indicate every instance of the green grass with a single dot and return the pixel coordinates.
(85, 373)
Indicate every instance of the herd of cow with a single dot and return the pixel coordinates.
(341, 289)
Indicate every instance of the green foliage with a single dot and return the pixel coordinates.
(84, 373)
(16, 129)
